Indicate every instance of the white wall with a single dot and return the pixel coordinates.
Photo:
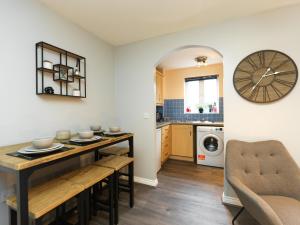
(234, 40)
(24, 115)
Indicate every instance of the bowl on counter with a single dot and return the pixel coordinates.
(63, 134)
(40, 143)
(95, 127)
(86, 134)
(114, 129)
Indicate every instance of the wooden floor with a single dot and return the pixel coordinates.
(187, 194)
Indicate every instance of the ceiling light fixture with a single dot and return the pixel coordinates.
(201, 61)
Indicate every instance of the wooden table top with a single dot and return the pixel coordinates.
(16, 163)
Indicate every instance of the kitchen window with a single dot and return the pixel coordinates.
(201, 94)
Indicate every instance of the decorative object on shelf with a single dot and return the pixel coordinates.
(63, 74)
(201, 61)
(49, 90)
(76, 92)
(68, 71)
(47, 64)
(77, 72)
(265, 76)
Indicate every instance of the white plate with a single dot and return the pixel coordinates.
(32, 150)
(80, 140)
(114, 133)
(53, 147)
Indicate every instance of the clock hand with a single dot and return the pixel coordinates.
(263, 76)
(272, 74)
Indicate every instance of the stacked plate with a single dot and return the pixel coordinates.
(114, 133)
(84, 140)
(30, 150)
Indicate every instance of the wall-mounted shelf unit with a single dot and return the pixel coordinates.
(66, 74)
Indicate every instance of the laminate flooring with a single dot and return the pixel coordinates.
(187, 194)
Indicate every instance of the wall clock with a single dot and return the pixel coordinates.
(265, 76)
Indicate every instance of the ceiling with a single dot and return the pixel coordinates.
(186, 58)
(121, 22)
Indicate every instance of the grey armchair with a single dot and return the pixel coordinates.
(266, 179)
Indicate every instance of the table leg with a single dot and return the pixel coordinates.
(130, 141)
(22, 197)
(131, 184)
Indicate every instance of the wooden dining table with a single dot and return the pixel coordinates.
(23, 168)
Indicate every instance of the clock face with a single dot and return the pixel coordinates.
(265, 76)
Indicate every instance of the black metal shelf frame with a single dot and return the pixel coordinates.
(71, 77)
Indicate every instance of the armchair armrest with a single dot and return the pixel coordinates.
(254, 204)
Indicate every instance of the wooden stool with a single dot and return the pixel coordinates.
(46, 197)
(117, 163)
(119, 151)
(87, 177)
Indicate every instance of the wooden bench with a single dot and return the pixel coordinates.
(117, 163)
(50, 195)
(46, 197)
(87, 177)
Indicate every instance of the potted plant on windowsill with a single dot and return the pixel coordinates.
(201, 108)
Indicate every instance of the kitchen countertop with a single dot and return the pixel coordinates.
(195, 123)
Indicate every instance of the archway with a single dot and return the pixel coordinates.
(173, 70)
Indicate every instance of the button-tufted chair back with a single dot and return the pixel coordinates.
(265, 167)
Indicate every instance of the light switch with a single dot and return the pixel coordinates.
(146, 115)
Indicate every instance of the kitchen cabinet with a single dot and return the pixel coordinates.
(158, 149)
(182, 140)
(165, 143)
(159, 88)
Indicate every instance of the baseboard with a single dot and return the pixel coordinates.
(227, 200)
(181, 158)
(145, 181)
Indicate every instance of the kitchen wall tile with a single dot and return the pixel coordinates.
(174, 110)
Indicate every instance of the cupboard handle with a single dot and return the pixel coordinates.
(190, 133)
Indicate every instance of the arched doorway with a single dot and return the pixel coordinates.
(180, 96)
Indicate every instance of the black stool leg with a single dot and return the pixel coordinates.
(90, 203)
(38, 221)
(116, 194)
(87, 206)
(237, 215)
(131, 184)
(95, 192)
(111, 199)
(13, 217)
(81, 211)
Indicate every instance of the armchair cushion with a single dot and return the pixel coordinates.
(288, 209)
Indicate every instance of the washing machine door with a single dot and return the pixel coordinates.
(212, 144)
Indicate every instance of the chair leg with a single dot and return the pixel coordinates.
(237, 215)
(131, 184)
(111, 199)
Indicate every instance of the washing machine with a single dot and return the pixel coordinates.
(210, 146)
